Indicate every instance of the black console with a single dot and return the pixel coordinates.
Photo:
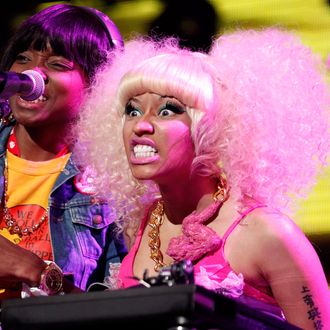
(181, 306)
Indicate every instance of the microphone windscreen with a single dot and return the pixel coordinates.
(38, 87)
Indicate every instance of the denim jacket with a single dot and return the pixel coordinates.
(82, 229)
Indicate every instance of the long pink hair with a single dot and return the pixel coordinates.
(259, 108)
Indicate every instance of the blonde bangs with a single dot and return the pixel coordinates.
(186, 82)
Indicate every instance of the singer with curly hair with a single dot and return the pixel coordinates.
(206, 154)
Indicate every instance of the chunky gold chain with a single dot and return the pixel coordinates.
(155, 221)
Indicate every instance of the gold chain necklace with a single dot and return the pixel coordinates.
(11, 222)
(155, 221)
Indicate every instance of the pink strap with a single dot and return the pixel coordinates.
(235, 223)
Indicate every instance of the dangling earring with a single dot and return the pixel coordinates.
(222, 193)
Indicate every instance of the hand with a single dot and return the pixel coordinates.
(18, 265)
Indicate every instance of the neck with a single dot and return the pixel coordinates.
(39, 144)
(185, 196)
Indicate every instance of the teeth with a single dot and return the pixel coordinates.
(41, 98)
(144, 151)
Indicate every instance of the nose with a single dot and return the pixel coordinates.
(143, 126)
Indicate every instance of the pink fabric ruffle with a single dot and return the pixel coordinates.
(231, 286)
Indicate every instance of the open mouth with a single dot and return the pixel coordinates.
(144, 151)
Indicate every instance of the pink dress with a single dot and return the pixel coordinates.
(212, 271)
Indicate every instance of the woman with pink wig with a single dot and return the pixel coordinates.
(205, 155)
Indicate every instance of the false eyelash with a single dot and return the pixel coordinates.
(174, 107)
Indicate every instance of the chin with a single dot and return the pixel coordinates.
(143, 176)
(147, 175)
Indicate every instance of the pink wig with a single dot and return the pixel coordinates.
(259, 110)
(276, 106)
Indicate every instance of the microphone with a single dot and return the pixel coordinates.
(29, 85)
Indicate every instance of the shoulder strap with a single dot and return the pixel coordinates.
(236, 222)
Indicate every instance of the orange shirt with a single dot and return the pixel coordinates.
(29, 186)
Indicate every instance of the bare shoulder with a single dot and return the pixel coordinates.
(272, 227)
(260, 233)
(278, 245)
(272, 239)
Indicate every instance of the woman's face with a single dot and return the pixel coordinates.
(157, 138)
(65, 84)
